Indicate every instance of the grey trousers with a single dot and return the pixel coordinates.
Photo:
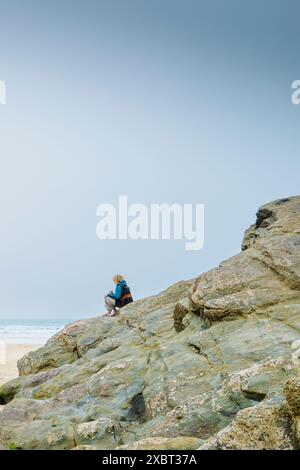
(110, 303)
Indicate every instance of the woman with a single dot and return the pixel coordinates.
(121, 297)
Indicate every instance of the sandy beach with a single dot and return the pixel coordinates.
(8, 363)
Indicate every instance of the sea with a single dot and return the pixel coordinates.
(30, 331)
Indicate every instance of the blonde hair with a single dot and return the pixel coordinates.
(117, 278)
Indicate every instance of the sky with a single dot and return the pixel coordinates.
(168, 101)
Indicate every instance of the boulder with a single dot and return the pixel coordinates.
(292, 393)
(266, 426)
(265, 275)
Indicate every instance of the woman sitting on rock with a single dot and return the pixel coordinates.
(121, 297)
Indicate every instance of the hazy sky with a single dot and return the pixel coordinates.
(163, 101)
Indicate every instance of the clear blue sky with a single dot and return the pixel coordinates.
(161, 100)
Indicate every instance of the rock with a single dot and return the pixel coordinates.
(264, 275)
(296, 358)
(295, 345)
(39, 434)
(266, 426)
(102, 429)
(292, 393)
(296, 428)
(208, 363)
(9, 390)
(60, 349)
(84, 447)
(162, 443)
(180, 312)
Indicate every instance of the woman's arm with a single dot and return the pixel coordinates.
(118, 293)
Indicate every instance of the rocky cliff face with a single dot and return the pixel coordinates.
(211, 363)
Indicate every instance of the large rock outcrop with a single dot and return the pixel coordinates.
(211, 363)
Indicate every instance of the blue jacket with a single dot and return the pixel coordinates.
(118, 291)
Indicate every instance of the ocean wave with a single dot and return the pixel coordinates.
(29, 332)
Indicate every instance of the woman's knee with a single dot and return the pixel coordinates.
(109, 301)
